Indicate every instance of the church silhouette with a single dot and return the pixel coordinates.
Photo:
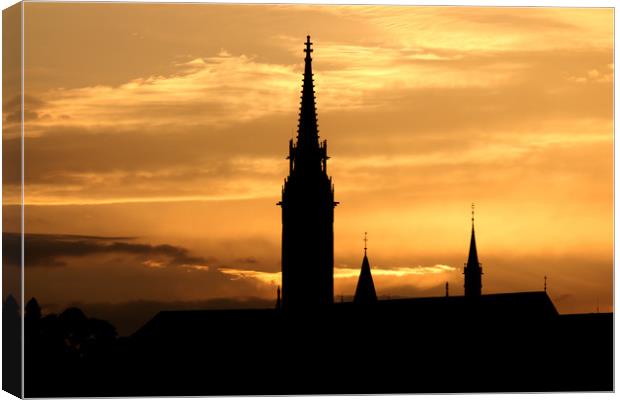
(309, 344)
(308, 220)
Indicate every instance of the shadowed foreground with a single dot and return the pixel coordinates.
(507, 342)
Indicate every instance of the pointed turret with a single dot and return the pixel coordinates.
(472, 259)
(473, 268)
(365, 292)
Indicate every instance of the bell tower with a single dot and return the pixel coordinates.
(307, 210)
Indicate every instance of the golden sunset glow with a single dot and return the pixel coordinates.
(154, 125)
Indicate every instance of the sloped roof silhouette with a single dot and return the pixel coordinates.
(521, 306)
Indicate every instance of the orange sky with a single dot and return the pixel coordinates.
(168, 125)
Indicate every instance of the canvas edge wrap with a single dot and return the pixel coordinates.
(12, 195)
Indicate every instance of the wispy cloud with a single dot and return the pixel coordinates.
(595, 75)
(274, 278)
(207, 91)
(394, 271)
(230, 88)
(487, 28)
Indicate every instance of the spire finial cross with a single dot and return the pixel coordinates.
(365, 242)
(472, 212)
(308, 48)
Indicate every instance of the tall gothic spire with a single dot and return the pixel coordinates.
(365, 292)
(307, 210)
(307, 129)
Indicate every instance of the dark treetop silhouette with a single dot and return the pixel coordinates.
(308, 344)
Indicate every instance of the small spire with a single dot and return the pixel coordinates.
(545, 283)
(308, 48)
(473, 269)
(472, 260)
(307, 127)
(447, 290)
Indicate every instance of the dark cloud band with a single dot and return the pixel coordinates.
(48, 250)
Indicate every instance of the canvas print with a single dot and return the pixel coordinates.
(281, 199)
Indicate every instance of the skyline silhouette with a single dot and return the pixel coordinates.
(155, 138)
(151, 171)
(167, 353)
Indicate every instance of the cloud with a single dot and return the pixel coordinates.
(12, 114)
(227, 89)
(46, 250)
(404, 281)
(595, 76)
(63, 269)
(486, 28)
(274, 278)
(215, 127)
(271, 278)
(400, 272)
(99, 166)
(211, 91)
(246, 260)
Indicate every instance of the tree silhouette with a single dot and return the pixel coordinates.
(33, 311)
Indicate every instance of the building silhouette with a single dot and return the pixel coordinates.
(307, 210)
